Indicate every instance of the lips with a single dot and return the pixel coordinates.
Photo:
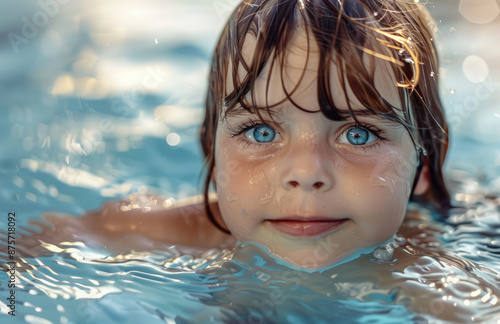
(306, 227)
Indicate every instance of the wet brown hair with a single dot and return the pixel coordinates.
(398, 32)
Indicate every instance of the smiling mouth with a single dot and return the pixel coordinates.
(306, 227)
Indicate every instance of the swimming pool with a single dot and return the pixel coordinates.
(104, 100)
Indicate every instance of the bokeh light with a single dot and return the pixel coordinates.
(173, 139)
(475, 69)
(479, 11)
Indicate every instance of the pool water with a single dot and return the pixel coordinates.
(99, 105)
(77, 284)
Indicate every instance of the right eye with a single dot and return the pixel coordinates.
(357, 135)
(262, 134)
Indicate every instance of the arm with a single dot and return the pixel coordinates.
(141, 223)
(183, 222)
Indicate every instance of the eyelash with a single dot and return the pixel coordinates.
(251, 124)
(372, 129)
(243, 128)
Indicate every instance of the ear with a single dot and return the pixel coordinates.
(424, 180)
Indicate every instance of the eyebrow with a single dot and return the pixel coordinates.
(239, 111)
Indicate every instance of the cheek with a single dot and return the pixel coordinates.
(227, 173)
(244, 187)
(380, 190)
(392, 177)
(230, 192)
(380, 211)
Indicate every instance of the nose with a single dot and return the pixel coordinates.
(307, 169)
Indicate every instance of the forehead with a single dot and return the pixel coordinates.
(296, 73)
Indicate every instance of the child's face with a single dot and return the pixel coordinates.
(312, 190)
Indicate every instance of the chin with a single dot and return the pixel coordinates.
(316, 258)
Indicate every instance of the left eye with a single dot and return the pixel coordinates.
(357, 135)
(262, 134)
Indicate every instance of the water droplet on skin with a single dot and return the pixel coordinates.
(232, 198)
(243, 212)
(265, 199)
(452, 91)
(383, 253)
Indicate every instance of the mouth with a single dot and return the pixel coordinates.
(306, 227)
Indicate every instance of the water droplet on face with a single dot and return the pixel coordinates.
(232, 198)
(265, 198)
(452, 91)
(243, 212)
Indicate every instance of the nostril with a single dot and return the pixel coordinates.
(318, 185)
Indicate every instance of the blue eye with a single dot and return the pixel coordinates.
(261, 134)
(357, 135)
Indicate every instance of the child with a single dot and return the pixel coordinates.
(322, 121)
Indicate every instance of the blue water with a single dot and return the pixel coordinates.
(99, 105)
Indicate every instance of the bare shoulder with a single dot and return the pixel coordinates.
(182, 222)
(139, 223)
